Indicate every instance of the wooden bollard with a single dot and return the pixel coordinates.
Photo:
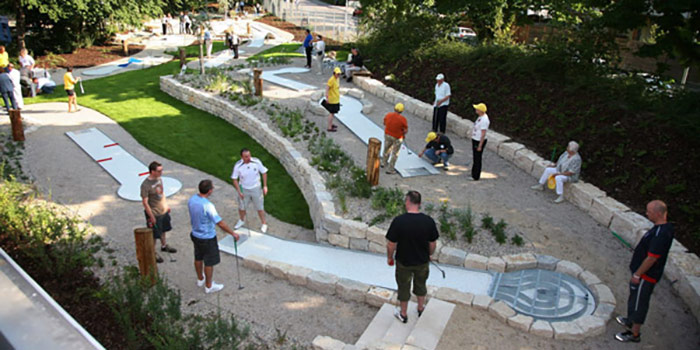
(373, 161)
(183, 57)
(17, 128)
(248, 28)
(125, 47)
(145, 252)
(257, 81)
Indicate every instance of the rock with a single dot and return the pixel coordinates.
(354, 229)
(507, 149)
(332, 223)
(327, 343)
(298, 275)
(589, 278)
(689, 289)
(522, 261)
(521, 322)
(367, 107)
(351, 290)
(546, 262)
(476, 262)
(603, 208)
(377, 296)
(359, 244)
(570, 268)
(461, 127)
(525, 159)
(356, 93)
(581, 194)
(376, 234)
(454, 296)
(538, 168)
(542, 329)
(591, 325)
(377, 248)
(255, 262)
(501, 311)
(604, 311)
(482, 302)
(496, 264)
(452, 256)
(339, 240)
(627, 224)
(567, 330)
(321, 282)
(278, 269)
(495, 140)
(603, 294)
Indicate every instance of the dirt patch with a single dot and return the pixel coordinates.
(88, 57)
(299, 32)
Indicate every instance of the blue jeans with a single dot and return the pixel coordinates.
(430, 153)
(11, 97)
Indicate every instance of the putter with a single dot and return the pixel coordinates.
(238, 269)
(438, 267)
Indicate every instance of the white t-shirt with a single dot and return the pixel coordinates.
(320, 47)
(248, 174)
(26, 61)
(481, 123)
(442, 91)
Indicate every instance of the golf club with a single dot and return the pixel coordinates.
(238, 269)
(82, 91)
(438, 267)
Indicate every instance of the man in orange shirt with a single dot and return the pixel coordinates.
(395, 129)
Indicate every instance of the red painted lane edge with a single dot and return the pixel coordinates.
(111, 144)
(104, 160)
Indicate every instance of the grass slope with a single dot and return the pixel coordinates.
(185, 134)
(282, 50)
(193, 50)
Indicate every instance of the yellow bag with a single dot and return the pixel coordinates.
(551, 183)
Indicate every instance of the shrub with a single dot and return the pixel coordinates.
(465, 221)
(389, 199)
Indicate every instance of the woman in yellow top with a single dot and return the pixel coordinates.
(69, 84)
(4, 58)
(332, 104)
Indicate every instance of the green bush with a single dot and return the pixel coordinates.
(465, 221)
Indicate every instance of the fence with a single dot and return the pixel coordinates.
(330, 22)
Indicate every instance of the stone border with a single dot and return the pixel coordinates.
(682, 268)
(351, 234)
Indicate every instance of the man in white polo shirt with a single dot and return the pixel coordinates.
(246, 180)
(481, 125)
(442, 102)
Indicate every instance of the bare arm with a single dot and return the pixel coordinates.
(481, 143)
(648, 262)
(264, 177)
(238, 189)
(390, 249)
(147, 208)
(432, 246)
(228, 230)
(328, 91)
(441, 101)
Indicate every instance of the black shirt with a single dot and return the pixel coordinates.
(412, 233)
(656, 242)
(441, 143)
(356, 60)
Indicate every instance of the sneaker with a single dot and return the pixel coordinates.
(538, 187)
(200, 283)
(167, 248)
(391, 172)
(624, 322)
(627, 336)
(446, 166)
(239, 224)
(397, 313)
(559, 199)
(420, 312)
(159, 259)
(215, 287)
(263, 228)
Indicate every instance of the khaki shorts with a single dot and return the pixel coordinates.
(404, 275)
(254, 195)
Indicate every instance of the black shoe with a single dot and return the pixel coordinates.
(627, 336)
(159, 259)
(349, 80)
(168, 249)
(399, 316)
(624, 322)
(420, 312)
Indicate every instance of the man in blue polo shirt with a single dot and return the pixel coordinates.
(308, 47)
(204, 218)
(647, 267)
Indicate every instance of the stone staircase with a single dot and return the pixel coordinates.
(385, 332)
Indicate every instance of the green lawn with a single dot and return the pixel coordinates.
(185, 134)
(193, 50)
(283, 50)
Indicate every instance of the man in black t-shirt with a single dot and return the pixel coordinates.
(413, 236)
(647, 267)
(438, 148)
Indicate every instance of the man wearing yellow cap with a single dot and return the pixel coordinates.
(481, 125)
(332, 103)
(438, 148)
(395, 129)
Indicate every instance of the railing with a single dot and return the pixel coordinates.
(338, 25)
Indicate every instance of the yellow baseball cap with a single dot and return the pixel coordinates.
(431, 136)
(480, 107)
(337, 70)
(399, 107)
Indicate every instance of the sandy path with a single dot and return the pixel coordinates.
(64, 171)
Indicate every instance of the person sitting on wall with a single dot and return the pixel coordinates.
(354, 64)
(567, 169)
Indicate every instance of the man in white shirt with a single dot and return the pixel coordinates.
(481, 125)
(246, 179)
(15, 77)
(442, 102)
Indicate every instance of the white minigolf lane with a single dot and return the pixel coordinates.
(273, 76)
(356, 265)
(119, 163)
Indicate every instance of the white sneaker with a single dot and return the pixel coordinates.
(538, 187)
(200, 283)
(559, 199)
(239, 224)
(215, 287)
(263, 228)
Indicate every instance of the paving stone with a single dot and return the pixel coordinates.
(454, 296)
(591, 325)
(497, 264)
(255, 262)
(521, 322)
(482, 302)
(332, 223)
(525, 159)
(603, 294)
(546, 262)
(507, 149)
(589, 278)
(327, 343)
(567, 330)
(604, 311)
(542, 329)
(430, 326)
(377, 248)
(298, 275)
(339, 240)
(359, 244)
(495, 140)
(452, 256)
(570, 268)
(476, 262)
(354, 229)
(501, 311)
(278, 269)
(603, 208)
(321, 282)
(351, 290)
(376, 234)
(627, 224)
(581, 194)
(522, 261)
(377, 296)
(321, 235)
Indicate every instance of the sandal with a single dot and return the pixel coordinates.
(332, 130)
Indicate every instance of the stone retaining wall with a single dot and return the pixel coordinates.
(682, 268)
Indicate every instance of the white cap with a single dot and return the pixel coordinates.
(440, 77)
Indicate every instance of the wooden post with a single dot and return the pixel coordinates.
(373, 161)
(183, 57)
(125, 47)
(257, 81)
(145, 252)
(248, 28)
(16, 121)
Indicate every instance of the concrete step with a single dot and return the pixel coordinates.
(399, 331)
(378, 326)
(428, 330)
